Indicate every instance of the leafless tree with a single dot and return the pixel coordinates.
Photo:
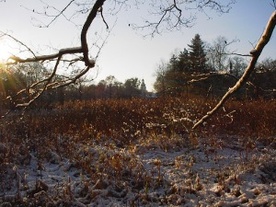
(218, 53)
(160, 73)
(255, 54)
(63, 55)
(164, 15)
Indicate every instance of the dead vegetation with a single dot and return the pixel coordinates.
(139, 153)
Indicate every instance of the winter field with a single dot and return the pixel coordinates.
(140, 153)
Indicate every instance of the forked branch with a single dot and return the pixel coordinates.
(57, 57)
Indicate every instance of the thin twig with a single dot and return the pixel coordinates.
(60, 13)
(18, 41)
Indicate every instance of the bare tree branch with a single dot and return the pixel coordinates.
(61, 52)
(46, 13)
(255, 53)
(101, 11)
(177, 14)
(98, 4)
(18, 41)
(274, 4)
(35, 90)
(60, 13)
(239, 54)
(215, 5)
(84, 46)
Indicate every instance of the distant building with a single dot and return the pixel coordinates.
(143, 89)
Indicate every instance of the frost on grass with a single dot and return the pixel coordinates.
(152, 173)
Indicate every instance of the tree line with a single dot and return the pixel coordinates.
(211, 68)
(109, 87)
(78, 59)
(25, 76)
(202, 69)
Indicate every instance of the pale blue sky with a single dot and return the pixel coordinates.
(126, 53)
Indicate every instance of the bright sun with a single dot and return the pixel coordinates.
(7, 49)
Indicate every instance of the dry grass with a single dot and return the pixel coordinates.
(125, 123)
(103, 137)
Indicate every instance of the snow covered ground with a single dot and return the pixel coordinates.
(226, 173)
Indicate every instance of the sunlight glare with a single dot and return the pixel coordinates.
(6, 50)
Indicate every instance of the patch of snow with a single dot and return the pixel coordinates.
(204, 176)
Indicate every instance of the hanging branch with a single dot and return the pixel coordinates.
(88, 62)
(255, 53)
(82, 49)
(35, 90)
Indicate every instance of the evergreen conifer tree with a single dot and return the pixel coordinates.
(197, 55)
